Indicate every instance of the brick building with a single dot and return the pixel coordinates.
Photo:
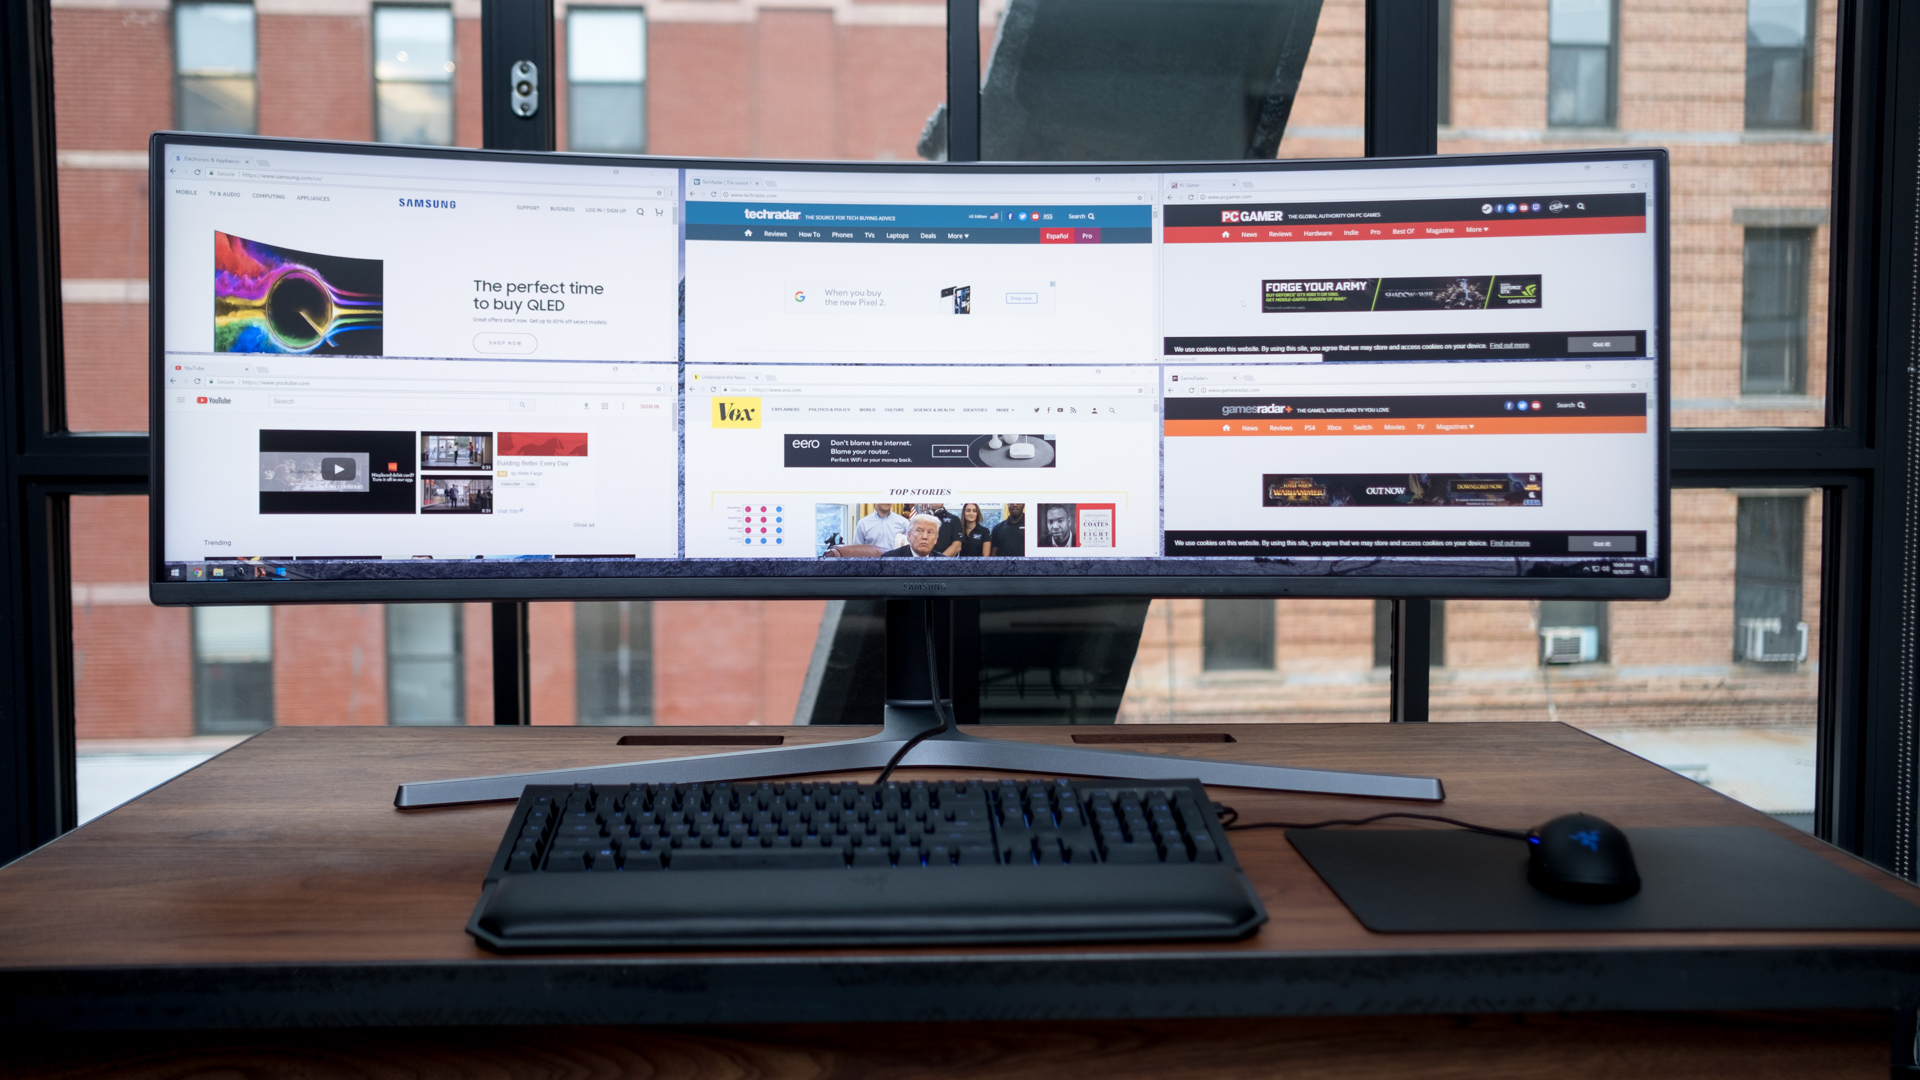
(1739, 90)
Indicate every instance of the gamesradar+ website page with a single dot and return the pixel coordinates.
(405, 365)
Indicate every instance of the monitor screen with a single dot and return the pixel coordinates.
(400, 373)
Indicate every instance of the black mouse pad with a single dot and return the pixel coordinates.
(1713, 878)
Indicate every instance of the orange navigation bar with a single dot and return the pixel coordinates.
(1480, 425)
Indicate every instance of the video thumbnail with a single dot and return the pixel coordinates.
(268, 299)
(872, 530)
(456, 495)
(336, 472)
(450, 450)
(1403, 489)
(543, 444)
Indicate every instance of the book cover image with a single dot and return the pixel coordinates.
(269, 299)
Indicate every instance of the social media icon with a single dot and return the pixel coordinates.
(1486, 208)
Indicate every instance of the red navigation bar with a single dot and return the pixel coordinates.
(1409, 230)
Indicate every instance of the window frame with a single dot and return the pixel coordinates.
(646, 41)
(373, 65)
(1860, 461)
(173, 38)
(1611, 107)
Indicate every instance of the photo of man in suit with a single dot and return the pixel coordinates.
(1056, 525)
(923, 532)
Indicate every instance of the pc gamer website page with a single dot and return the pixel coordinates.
(886, 461)
(1451, 364)
(1519, 262)
(385, 366)
(919, 268)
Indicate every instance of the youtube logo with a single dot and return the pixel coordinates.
(342, 469)
(200, 400)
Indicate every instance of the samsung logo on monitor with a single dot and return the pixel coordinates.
(429, 204)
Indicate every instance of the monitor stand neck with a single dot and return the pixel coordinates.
(908, 712)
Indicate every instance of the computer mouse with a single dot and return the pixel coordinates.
(1581, 857)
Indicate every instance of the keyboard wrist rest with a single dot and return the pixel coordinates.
(751, 908)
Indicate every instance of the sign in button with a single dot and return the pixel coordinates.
(1607, 545)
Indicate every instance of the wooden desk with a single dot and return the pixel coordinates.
(276, 886)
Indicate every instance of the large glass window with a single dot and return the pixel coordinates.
(213, 59)
(606, 80)
(1779, 64)
(232, 669)
(1773, 310)
(413, 75)
(613, 645)
(1383, 633)
(424, 665)
(1580, 63)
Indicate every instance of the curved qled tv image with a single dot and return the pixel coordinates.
(270, 299)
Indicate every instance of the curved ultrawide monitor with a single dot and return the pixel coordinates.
(401, 373)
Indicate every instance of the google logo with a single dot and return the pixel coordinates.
(799, 297)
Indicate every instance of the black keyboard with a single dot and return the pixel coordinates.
(772, 864)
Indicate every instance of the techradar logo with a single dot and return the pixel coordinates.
(736, 412)
(772, 215)
(429, 204)
(1247, 217)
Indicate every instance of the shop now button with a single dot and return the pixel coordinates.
(509, 344)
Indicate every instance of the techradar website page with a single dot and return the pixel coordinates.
(415, 363)
(1029, 463)
(833, 267)
(1540, 466)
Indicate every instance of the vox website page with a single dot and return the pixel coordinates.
(894, 461)
(389, 367)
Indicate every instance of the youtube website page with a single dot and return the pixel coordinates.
(381, 366)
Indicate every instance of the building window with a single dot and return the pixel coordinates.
(1573, 631)
(1237, 635)
(1446, 62)
(1773, 311)
(1383, 634)
(1766, 581)
(613, 661)
(424, 669)
(413, 75)
(232, 669)
(606, 81)
(1779, 64)
(213, 69)
(1580, 63)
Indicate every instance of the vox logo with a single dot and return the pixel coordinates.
(736, 412)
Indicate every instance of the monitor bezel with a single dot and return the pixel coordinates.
(913, 582)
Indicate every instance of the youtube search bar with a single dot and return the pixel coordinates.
(394, 403)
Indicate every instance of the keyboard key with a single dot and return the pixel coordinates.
(782, 858)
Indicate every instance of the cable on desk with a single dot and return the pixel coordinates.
(1230, 819)
(933, 688)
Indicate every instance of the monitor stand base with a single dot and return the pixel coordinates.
(951, 750)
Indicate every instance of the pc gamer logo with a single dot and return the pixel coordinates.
(1248, 217)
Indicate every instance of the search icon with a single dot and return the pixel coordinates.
(1580, 404)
